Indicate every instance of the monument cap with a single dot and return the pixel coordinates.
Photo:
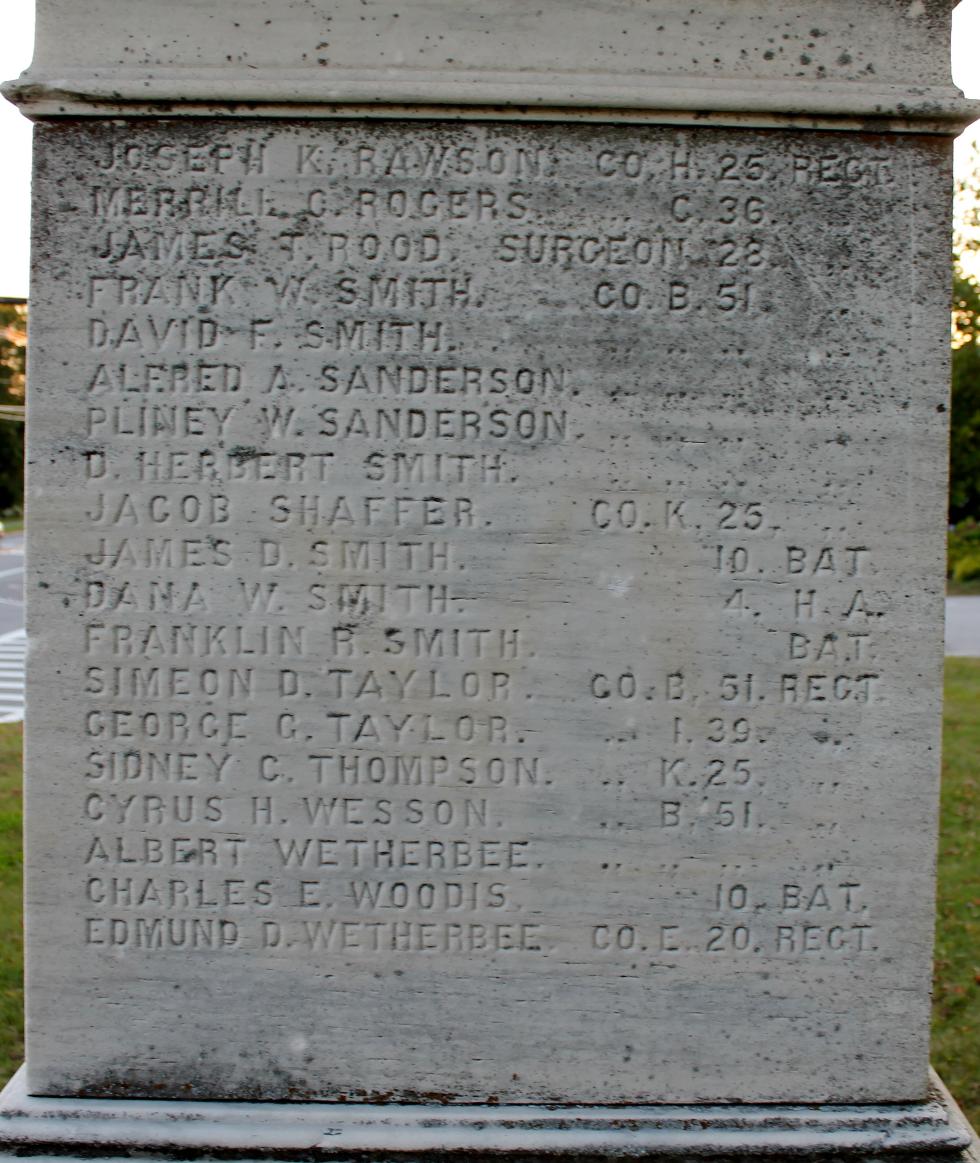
(755, 61)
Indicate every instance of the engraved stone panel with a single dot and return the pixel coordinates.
(486, 619)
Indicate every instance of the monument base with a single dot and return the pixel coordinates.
(70, 1128)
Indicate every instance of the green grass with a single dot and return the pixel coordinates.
(956, 993)
(956, 1010)
(11, 937)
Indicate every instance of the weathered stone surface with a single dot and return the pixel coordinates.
(486, 613)
(71, 1128)
(877, 60)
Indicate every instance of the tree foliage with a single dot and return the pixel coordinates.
(13, 350)
(964, 458)
(964, 446)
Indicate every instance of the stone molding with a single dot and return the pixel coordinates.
(763, 61)
(332, 1130)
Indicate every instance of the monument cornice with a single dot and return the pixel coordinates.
(878, 64)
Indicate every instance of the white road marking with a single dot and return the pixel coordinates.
(13, 647)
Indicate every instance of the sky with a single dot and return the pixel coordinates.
(15, 138)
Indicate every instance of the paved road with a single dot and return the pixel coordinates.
(12, 640)
(11, 583)
(963, 626)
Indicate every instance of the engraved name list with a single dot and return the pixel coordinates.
(486, 598)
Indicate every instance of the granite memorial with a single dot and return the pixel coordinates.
(487, 491)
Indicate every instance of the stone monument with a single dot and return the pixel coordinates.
(487, 491)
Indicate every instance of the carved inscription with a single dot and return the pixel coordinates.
(476, 583)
